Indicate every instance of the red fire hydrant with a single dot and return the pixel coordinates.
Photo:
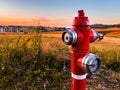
(83, 63)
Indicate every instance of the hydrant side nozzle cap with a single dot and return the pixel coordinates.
(81, 13)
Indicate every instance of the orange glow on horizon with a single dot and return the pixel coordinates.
(20, 21)
(42, 21)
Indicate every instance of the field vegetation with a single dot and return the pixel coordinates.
(40, 61)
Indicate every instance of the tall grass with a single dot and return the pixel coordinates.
(109, 52)
(32, 62)
(41, 62)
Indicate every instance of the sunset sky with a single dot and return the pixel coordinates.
(57, 12)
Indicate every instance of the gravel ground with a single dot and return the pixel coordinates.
(104, 80)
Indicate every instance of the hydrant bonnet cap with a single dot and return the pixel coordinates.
(81, 13)
(81, 19)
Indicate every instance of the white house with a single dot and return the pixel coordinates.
(3, 28)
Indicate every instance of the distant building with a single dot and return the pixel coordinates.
(14, 29)
(59, 28)
(3, 28)
(27, 29)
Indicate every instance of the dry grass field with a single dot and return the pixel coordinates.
(110, 32)
(43, 56)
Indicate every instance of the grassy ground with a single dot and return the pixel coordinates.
(35, 61)
(110, 32)
(108, 78)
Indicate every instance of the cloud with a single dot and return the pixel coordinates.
(45, 19)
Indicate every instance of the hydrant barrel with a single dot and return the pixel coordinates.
(79, 50)
(83, 63)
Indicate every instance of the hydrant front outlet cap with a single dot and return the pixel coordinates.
(90, 63)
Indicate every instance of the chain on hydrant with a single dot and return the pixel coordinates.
(83, 63)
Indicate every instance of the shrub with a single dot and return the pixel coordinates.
(26, 65)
